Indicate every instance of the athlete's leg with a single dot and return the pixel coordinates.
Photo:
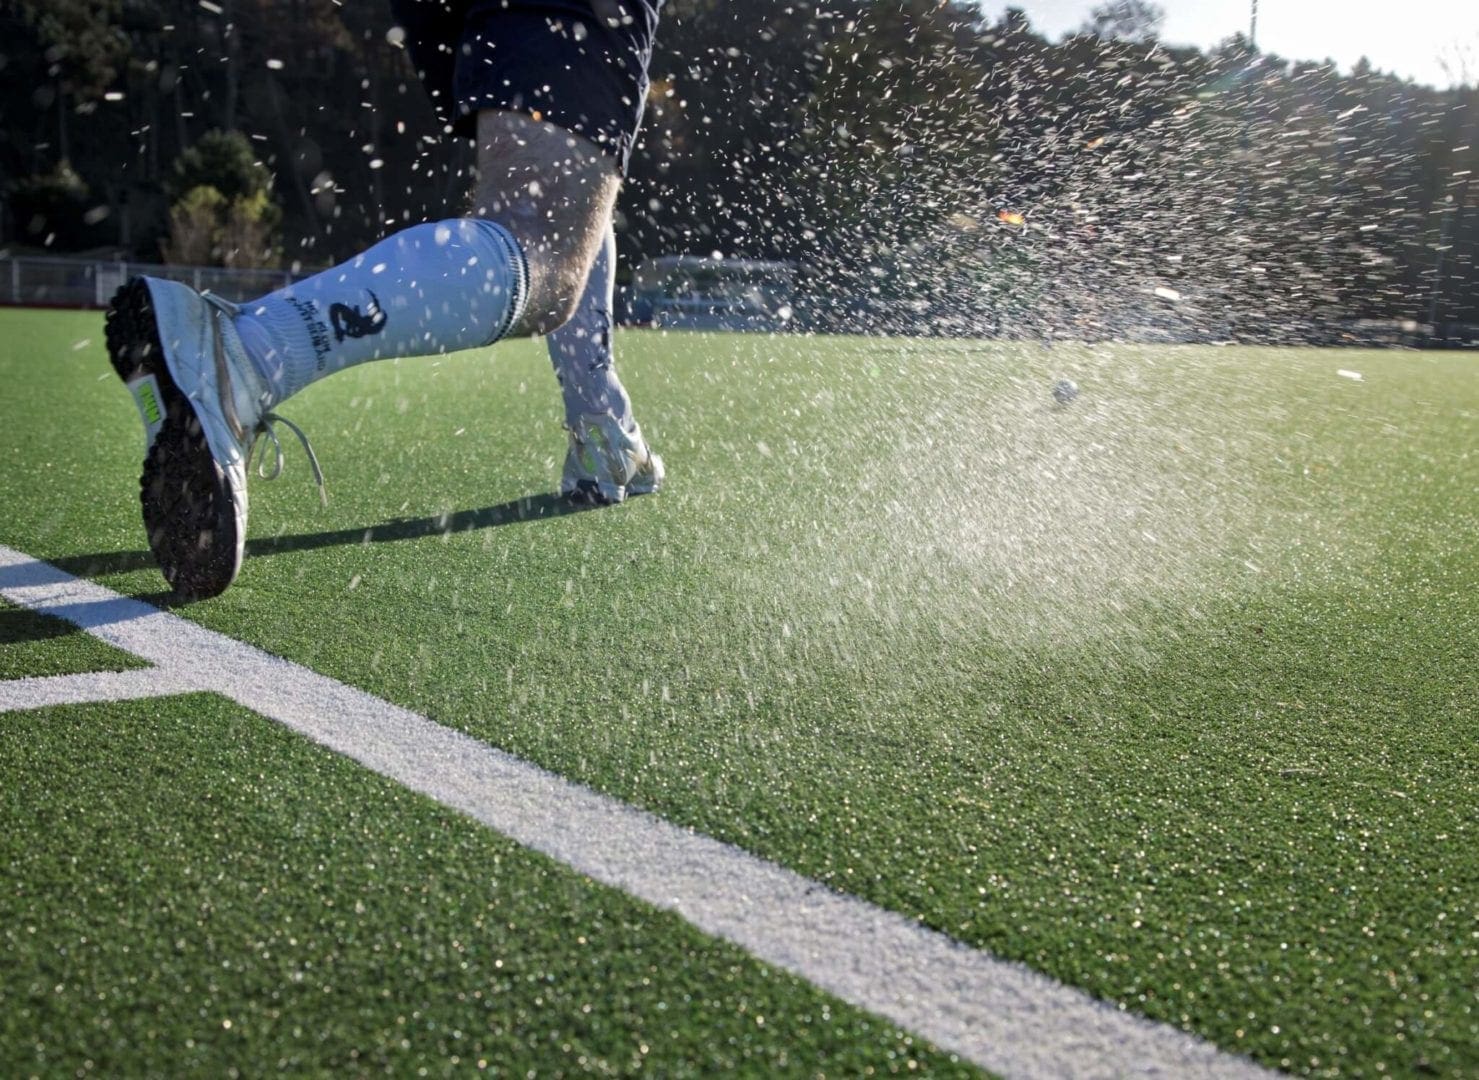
(553, 95)
(207, 374)
(608, 458)
(513, 267)
(581, 349)
(602, 101)
(555, 192)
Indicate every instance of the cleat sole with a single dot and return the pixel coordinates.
(189, 514)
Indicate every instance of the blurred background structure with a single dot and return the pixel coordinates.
(918, 166)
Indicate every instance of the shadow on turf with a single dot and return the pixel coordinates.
(18, 625)
(530, 508)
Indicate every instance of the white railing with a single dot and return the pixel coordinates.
(47, 281)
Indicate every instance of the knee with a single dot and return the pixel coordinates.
(555, 275)
(554, 191)
(561, 311)
(556, 282)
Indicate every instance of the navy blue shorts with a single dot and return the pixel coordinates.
(555, 60)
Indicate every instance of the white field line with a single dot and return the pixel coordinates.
(999, 1015)
(36, 693)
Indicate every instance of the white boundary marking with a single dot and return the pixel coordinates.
(999, 1015)
(38, 692)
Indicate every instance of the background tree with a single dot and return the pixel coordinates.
(222, 213)
(934, 170)
(1126, 20)
(55, 209)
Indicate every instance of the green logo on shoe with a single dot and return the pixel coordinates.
(148, 403)
(146, 397)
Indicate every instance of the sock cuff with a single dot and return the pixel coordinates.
(518, 286)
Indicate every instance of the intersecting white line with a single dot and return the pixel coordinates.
(997, 1014)
(41, 691)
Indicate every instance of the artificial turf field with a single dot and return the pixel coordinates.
(1169, 694)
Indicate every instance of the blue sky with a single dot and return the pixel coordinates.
(1409, 37)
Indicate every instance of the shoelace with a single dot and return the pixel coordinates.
(267, 421)
(266, 427)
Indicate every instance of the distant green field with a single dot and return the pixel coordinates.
(1169, 694)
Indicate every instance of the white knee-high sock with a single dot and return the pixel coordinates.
(581, 349)
(432, 288)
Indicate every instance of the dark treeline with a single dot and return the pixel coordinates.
(929, 170)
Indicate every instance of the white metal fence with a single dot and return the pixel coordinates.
(43, 281)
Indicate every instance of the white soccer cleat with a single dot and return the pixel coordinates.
(607, 462)
(203, 404)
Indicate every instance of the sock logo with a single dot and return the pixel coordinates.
(348, 322)
(318, 333)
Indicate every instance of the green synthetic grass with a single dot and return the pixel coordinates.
(1169, 694)
(33, 645)
(201, 892)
